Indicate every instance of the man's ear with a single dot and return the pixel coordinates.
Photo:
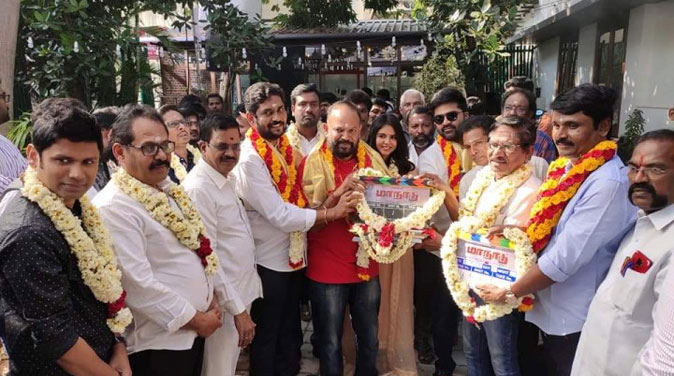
(32, 156)
(202, 146)
(118, 151)
(605, 127)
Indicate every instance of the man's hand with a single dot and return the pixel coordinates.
(432, 243)
(351, 183)
(120, 360)
(491, 293)
(436, 182)
(245, 327)
(498, 230)
(205, 323)
(347, 204)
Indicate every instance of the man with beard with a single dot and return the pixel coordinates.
(215, 103)
(327, 99)
(364, 103)
(174, 291)
(573, 232)
(620, 319)
(436, 311)
(307, 130)
(268, 182)
(212, 189)
(336, 279)
(450, 109)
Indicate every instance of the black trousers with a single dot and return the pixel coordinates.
(559, 352)
(530, 354)
(275, 350)
(424, 284)
(169, 362)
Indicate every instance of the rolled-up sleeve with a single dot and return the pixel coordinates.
(33, 274)
(256, 189)
(144, 292)
(600, 213)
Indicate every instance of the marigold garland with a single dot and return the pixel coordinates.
(284, 175)
(559, 188)
(376, 233)
(453, 162)
(90, 242)
(188, 228)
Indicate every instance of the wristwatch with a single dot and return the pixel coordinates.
(510, 298)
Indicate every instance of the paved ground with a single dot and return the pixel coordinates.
(310, 364)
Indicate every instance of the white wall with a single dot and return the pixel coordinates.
(587, 48)
(547, 59)
(649, 76)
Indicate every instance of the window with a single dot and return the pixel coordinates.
(610, 64)
(568, 55)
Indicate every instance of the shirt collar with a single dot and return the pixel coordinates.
(214, 174)
(661, 218)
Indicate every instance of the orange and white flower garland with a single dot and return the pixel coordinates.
(560, 187)
(284, 173)
(90, 242)
(188, 228)
(453, 162)
(471, 222)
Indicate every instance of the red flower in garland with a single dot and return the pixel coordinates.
(387, 233)
(471, 320)
(117, 306)
(204, 250)
(429, 232)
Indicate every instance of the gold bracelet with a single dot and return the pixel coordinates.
(325, 216)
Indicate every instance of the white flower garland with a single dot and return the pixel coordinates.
(471, 222)
(89, 241)
(294, 136)
(196, 153)
(369, 244)
(188, 228)
(178, 168)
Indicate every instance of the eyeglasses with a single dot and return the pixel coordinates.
(651, 172)
(5, 97)
(176, 123)
(224, 147)
(507, 148)
(450, 116)
(152, 148)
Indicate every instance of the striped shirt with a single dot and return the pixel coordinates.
(12, 163)
(657, 358)
(545, 147)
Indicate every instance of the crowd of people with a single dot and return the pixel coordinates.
(165, 241)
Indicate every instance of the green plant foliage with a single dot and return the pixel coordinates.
(438, 72)
(19, 131)
(634, 128)
(306, 14)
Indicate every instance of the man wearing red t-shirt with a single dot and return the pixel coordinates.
(328, 174)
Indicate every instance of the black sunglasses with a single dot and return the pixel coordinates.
(450, 116)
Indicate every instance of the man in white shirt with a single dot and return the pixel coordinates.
(307, 130)
(212, 190)
(620, 319)
(275, 350)
(171, 296)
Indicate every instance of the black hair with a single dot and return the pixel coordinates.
(531, 98)
(381, 103)
(594, 101)
(259, 92)
(526, 130)
(327, 97)
(475, 106)
(122, 129)
(449, 95)
(106, 116)
(483, 122)
(401, 154)
(216, 122)
(522, 82)
(359, 97)
(167, 108)
(303, 89)
(215, 95)
(384, 94)
(189, 99)
(57, 118)
(193, 109)
(657, 135)
(240, 109)
(367, 91)
(423, 110)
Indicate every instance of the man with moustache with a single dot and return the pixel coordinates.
(450, 109)
(276, 219)
(332, 270)
(364, 103)
(575, 237)
(434, 306)
(620, 319)
(522, 102)
(214, 102)
(181, 159)
(307, 130)
(211, 186)
(175, 300)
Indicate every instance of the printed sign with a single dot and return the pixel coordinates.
(481, 263)
(395, 201)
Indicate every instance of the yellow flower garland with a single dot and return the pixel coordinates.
(89, 241)
(188, 228)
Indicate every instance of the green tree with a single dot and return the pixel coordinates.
(634, 128)
(469, 29)
(438, 72)
(324, 13)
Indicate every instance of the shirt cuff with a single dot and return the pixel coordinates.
(548, 268)
(234, 306)
(182, 319)
(310, 219)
